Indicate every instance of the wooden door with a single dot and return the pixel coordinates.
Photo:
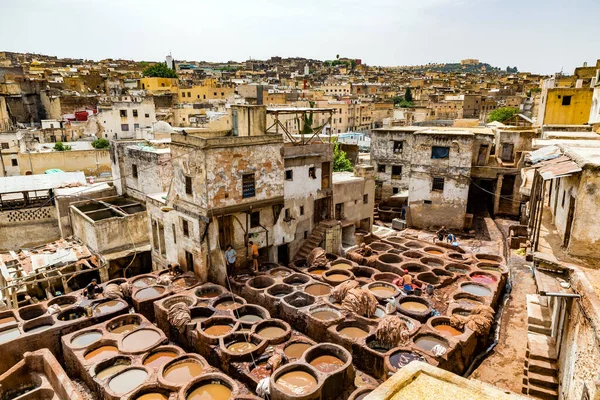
(569, 221)
(225, 231)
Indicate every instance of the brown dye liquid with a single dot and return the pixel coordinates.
(337, 277)
(428, 342)
(127, 381)
(179, 284)
(159, 359)
(101, 353)
(414, 306)
(317, 290)
(183, 372)
(317, 271)
(228, 305)
(435, 252)
(382, 291)
(39, 328)
(353, 332)
(296, 383)
(148, 293)
(209, 295)
(327, 363)
(447, 330)
(113, 369)
(280, 274)
(341, 266)
(144, 282)
(261, 372)
(218, 330)
(212, 391)
(120, 330)
(152, 396)
(270, 332)
(250, 318)
(107, 307)
(7, 320)
(202, 304)
(140, 339)
(296, 350)
(86, 339)
(468, 302)
(241, 347)
(325, 315)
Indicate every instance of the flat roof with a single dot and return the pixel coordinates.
(445, 132)
(339, 177)
(583, 156)
(29, 183)
(292, 110)
(480, 130)
(571, 135)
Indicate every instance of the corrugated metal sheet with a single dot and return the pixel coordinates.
(29, 183)
(545, 153)
(558, 168)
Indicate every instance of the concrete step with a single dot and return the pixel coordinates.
(547, 331)
(547, 381)
(540, 367)
(538, 314)
(541, 347)
(540, 392)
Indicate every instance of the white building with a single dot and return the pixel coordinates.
(122, 116)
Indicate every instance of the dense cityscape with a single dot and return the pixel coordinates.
(294, 228)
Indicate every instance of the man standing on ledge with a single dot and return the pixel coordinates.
(254, 255)
(230, 258)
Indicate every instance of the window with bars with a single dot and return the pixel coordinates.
(438, 184)
(255, 219)
(248, 186)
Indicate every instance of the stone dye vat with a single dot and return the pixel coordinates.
(32, 327)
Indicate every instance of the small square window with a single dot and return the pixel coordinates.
(311, 173)
(381, 168)
(125, 127)
(14, 162)
(188, 185)
(136, 126)
(396, 172)
(123, 113)
(189, 94)
(301, 210)
(289, 175)
(398, 146)
(440, 152)
(255, 219)
(365, 198)
(147, 115)
(305, 234)
(566, 100)
(5, 146)
(426, 201)
(395, 190)
(134, 171)
(185, 228)
(135, 113)
(438, 184)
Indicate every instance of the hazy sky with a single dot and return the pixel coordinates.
(534, 35)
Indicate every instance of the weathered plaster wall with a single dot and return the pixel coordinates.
(154, 171)
(585, 234)
(91, 162)
(28, 227)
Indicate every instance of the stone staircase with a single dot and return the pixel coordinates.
(314, 240)
(540, 370)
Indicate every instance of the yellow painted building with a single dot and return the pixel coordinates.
(566, 106)
(159, 84)
(200, 93)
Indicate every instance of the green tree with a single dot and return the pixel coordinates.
(341, 162)
(397, 100)
(101, 143)
(159, 70)
(405, 104)
(353, 64)
(59, 146)
(337, 56)
(502, 114)
(408, 95)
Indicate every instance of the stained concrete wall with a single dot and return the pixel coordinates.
(585, 233)
(91, 162)
(350, 191)
(28, 227)
(110, 234)
(154, 171)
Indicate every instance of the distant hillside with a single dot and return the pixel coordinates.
(460, 68)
